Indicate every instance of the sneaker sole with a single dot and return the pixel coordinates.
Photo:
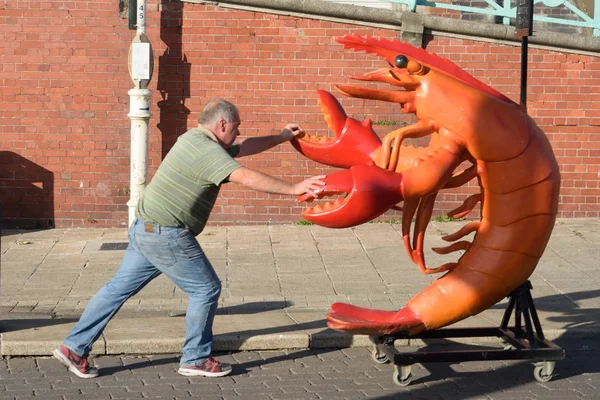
(186, 372)
(67, 363)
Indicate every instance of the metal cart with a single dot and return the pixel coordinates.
(520, 342)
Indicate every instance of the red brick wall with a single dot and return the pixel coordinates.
(64, 144)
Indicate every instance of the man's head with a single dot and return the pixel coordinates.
(223, 119)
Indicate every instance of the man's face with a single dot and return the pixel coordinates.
(228, 132)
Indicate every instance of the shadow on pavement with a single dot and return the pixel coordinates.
(253, 308)
(16, 232)
(568, 312)
(13, 325)
(111, 370)
(247, 308)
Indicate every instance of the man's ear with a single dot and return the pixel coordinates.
(222, 124)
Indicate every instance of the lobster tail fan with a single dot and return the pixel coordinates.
(389, 49)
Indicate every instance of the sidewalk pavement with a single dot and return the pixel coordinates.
(278, 283)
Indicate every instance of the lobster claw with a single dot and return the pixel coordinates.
(371, 192)
(354, 141)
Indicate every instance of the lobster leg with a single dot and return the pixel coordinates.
(408, 211)
(463, 244)
(421, 182)
(462, 232)
(462, 177)
(387, 157)
(423, 216)
(467, 206)
(430, 174)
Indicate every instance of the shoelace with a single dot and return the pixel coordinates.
(211, 362)
(84, 362)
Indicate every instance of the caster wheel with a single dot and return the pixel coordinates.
(402, 375)
(402, 382)
(540, 375)
(379, 358)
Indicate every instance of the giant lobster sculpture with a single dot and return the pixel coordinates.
(467, 121)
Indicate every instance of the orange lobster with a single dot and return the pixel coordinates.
(468, 121)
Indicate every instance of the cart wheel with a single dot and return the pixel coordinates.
(379, 358)
(402, 375)
(540, 375)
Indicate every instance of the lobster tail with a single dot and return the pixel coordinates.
(358, 320)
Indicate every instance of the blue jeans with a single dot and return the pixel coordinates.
(174, 252)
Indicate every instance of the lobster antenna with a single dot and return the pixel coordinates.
(389, 49)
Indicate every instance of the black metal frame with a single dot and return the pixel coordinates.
(523, 342)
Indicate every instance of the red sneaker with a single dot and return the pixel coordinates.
(80, 366)
(211, 368)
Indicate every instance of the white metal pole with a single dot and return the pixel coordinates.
(141, 17)
(140, 100)
(139, 113)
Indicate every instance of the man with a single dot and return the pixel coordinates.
(172, 211)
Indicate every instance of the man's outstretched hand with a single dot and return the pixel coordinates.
(292, 131)
(311, 186)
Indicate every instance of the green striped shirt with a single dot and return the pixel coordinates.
(185, 186)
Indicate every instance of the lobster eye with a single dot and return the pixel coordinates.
(415, 68)
(401, 61)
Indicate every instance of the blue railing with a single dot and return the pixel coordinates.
(506, 11)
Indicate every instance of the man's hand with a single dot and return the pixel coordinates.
(311, 186)
(292, 131)
(255, 145)
(265, 183)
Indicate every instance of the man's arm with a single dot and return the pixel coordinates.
(254, 145)
(266, 183)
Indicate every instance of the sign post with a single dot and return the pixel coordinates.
(524, 29)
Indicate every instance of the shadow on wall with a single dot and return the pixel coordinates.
(173, 77)
(26, 193)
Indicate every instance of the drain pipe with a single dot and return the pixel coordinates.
(141, 65)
